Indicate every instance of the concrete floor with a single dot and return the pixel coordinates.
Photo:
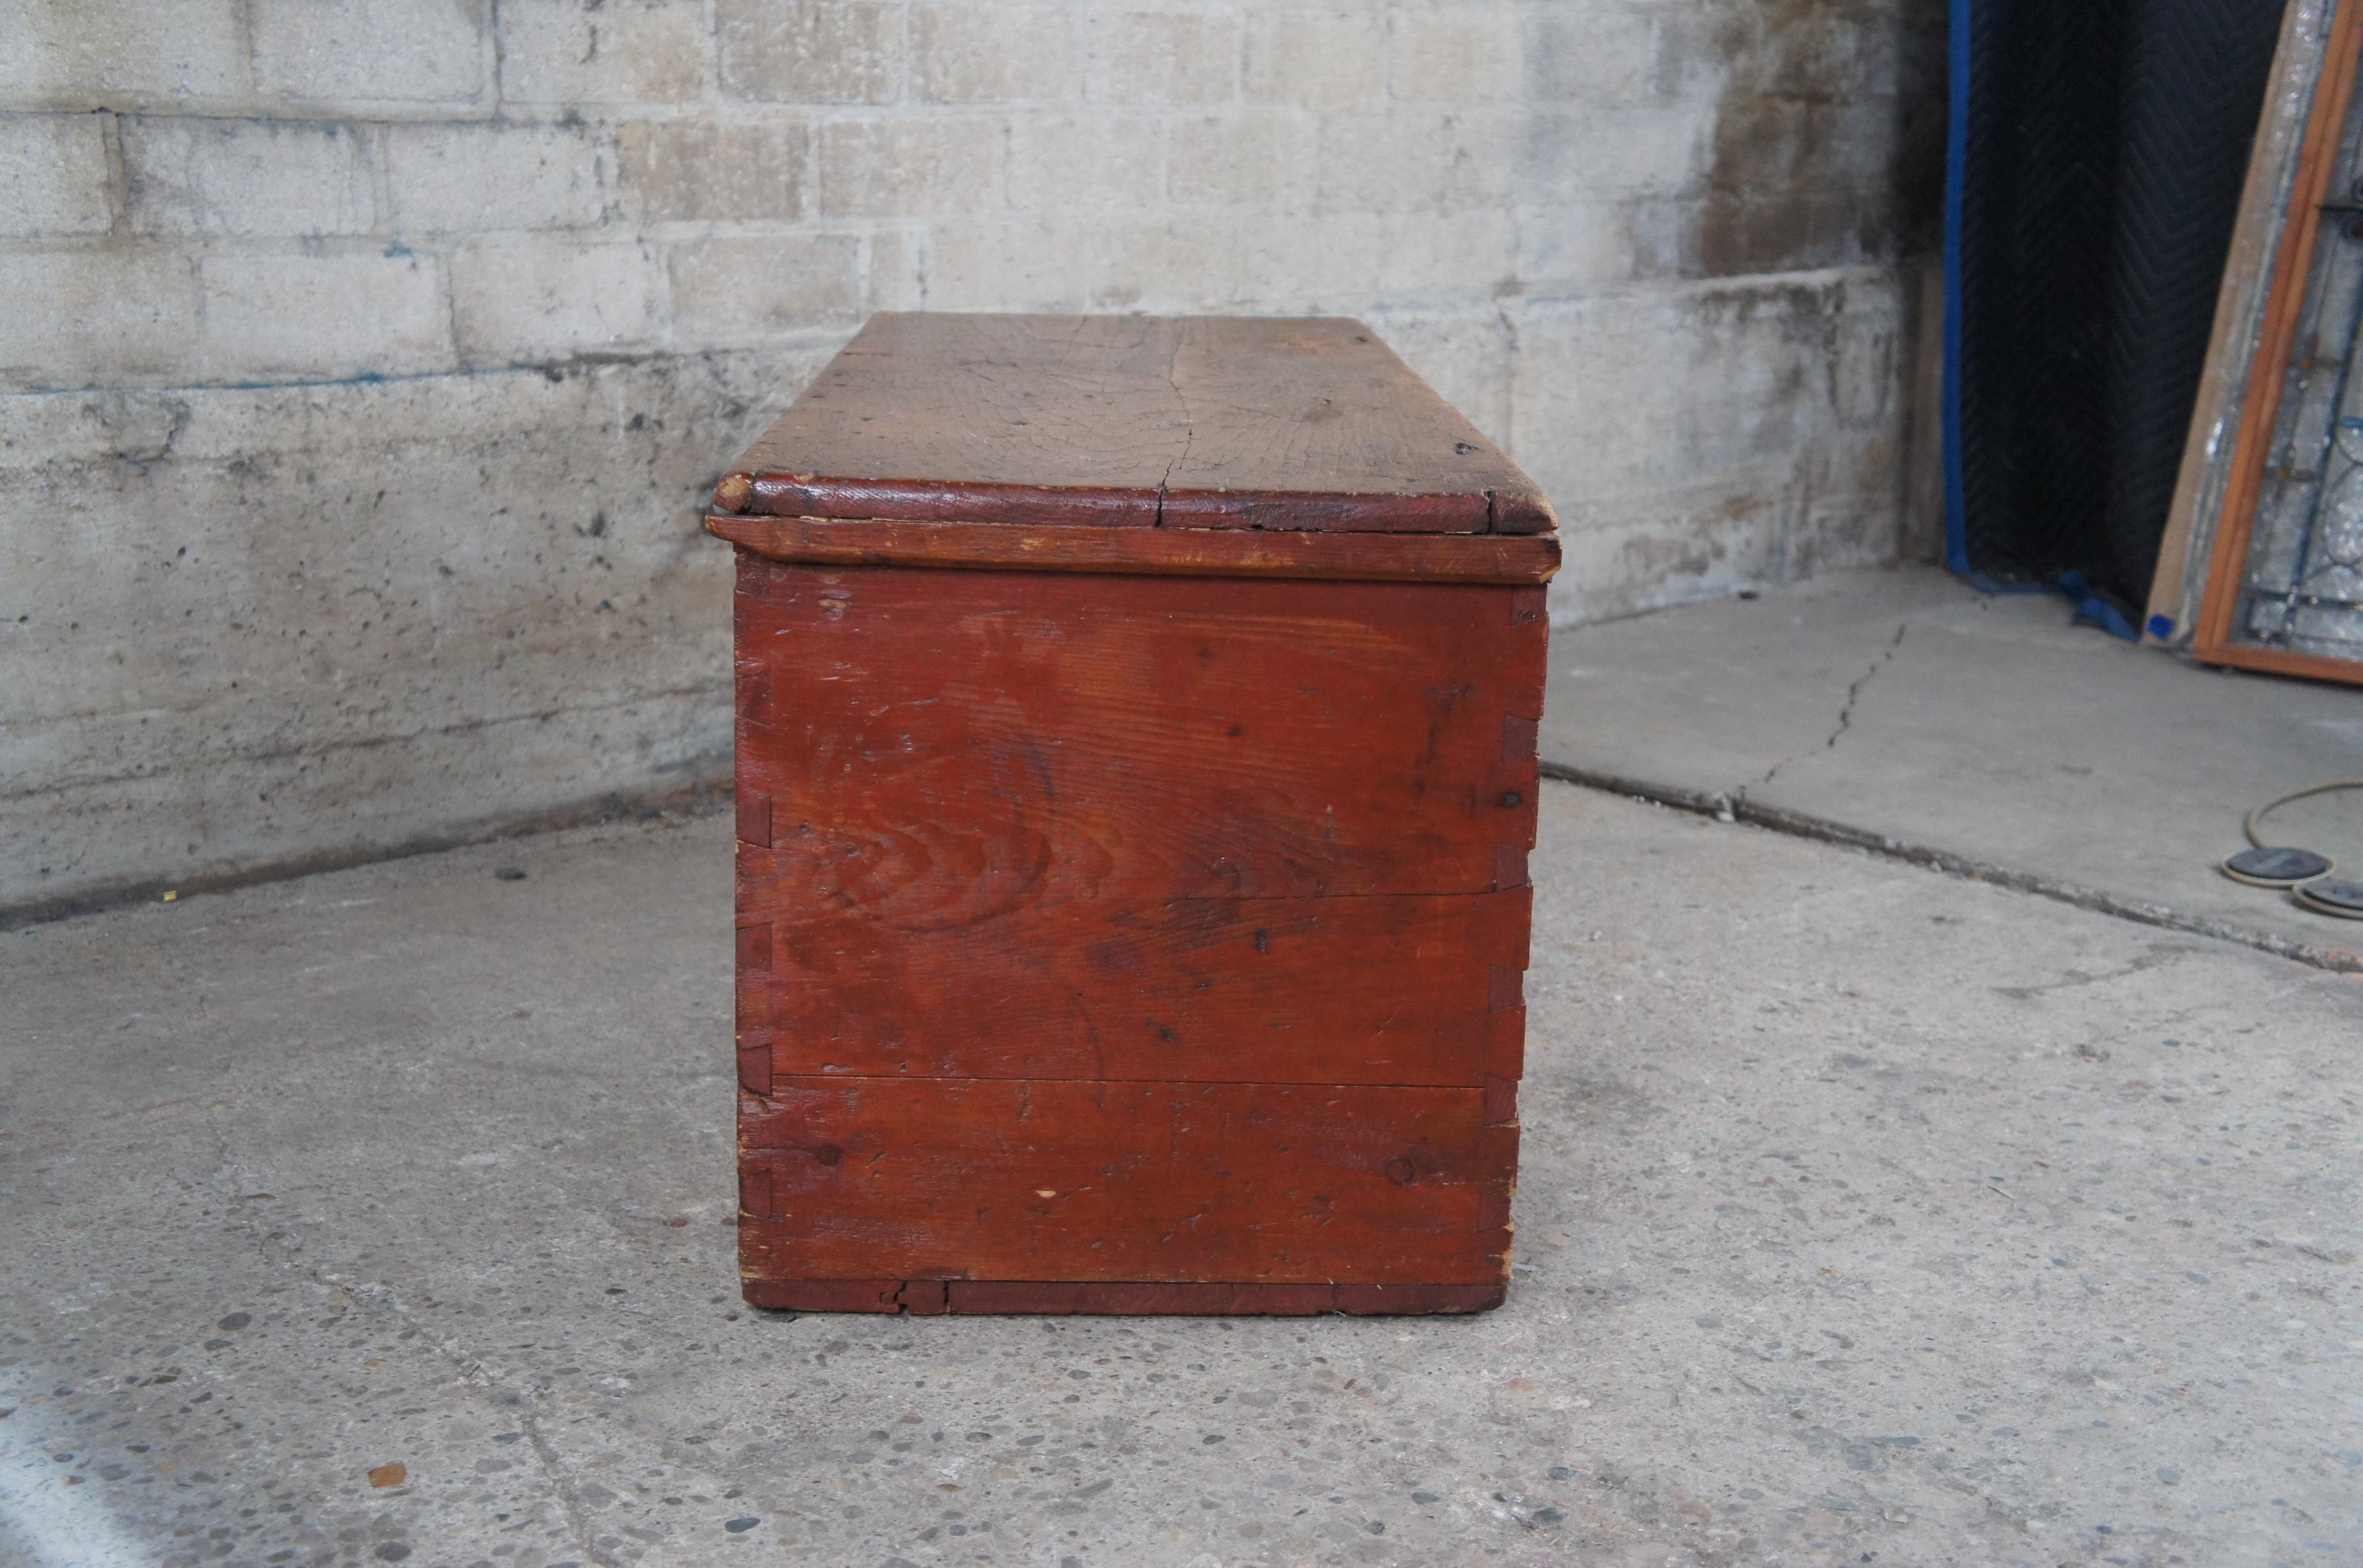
(1869, 1215)
(1901, 708)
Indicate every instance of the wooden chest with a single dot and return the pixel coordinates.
(1136, 774)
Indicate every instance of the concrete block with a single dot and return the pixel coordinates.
(1034, 265)
(811, 51)
(1259, 159)
(531, 300)
(1604, 54)
(1462, 56)
(1666, 236)
(972, 54)
(1166, 264)
(1322, 262)
(1460, 256)
(1568, 155)
(1222, 260)
(907, 168)
(704, 171)
(120, 54)
(1741, 234)
(390, 52)
(748, 290)
(1815, 53)
(458, 178)
(610, 52)
(1162, 57)
(190, 175)
(1418, 158)
(1577, 246)
(895, 276)
(1767, 144)
(1322, 58)
(328, 316)
(53, 174)
(1063, 163)
(81, 317)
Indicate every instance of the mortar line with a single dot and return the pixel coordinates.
(1800, 824)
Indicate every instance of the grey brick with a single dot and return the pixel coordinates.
(1570, 154)
(1581, 246)
(122, 54)
(894, 280)
(349, 51)
(1032, 264)
(1323, 58)
(53, 174)
(699, 171)
(1466, 56)
(247, 177)
(1602, 54)
(1239, 260)
(1327, 262)
(897, 168)
(1259, 159)
(325, 316)
(811, 51)
(458, 178)
(1433, 255)
(971, 54)
(1421, 157)
(528, 301)
(1063, 163)
(81, 317)
(746, 290)
(1164, 57)
(602, 51)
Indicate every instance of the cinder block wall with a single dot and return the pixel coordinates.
(362, 362)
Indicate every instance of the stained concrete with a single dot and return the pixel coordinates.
(1869, 1215)
(1902, 707)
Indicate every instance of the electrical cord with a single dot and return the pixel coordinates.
(2275, 804)
(2302, 871)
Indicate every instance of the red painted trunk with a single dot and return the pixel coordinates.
(1132, 907)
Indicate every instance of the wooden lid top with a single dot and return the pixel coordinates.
(1306, 424)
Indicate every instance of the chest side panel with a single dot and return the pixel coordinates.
(1008, 825)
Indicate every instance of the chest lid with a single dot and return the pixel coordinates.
(1299, 425)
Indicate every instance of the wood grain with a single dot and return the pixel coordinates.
(940, 748)
(1168, 551)
(1365, 991)
(881, 1179)
(1305, 424)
